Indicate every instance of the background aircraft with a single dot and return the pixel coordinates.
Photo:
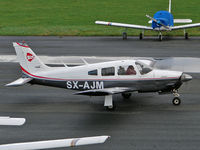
(8, 121)
(54, 143)
(161, 21)
(99, 79)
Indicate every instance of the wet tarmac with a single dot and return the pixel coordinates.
(146, 121)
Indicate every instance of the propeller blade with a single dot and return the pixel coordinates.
(158, 22)
(60, 143)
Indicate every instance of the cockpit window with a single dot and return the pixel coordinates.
(110, 71)
(126, 70)
(143, 68)
(92, 72)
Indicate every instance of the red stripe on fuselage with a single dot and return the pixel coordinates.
(40, 77)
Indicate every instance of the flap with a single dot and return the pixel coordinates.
(106, 91)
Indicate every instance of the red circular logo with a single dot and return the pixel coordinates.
(29, 57)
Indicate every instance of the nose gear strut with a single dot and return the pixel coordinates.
(176, 100)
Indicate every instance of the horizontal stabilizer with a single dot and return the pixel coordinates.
(55, 143)
(178, 21)
(182, 21)
(20, 81)
(8, 121)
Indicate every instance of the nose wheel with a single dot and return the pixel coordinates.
(160, 36)
(176, 100)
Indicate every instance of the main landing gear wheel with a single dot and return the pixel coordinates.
(176, 101)
(160, 37)
(186, 35)
(111, 108)
(141, 36)
(124, 36)
(126, 95)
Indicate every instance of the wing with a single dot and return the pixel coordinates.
(105, 91)
(186, 26)
(178, 21)
(124, 25)
(61, 143)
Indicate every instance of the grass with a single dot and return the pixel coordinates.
(77, 17)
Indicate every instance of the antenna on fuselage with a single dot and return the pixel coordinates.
(170, 5)
(85, 62)
(64, 63)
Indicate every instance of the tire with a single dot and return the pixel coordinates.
(176, 101)
(124, 36)
(186, 36)
(111, 108)
(126, 95)
(141, 36)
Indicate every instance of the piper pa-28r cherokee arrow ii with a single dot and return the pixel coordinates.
(161, 21)
(99, 79)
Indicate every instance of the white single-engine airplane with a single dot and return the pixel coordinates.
(99, 79)
(161, 21)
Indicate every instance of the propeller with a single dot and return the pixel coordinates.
(158, 22)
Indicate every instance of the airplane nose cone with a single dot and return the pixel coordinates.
(186, 77)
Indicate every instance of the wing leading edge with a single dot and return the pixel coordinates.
(124, 25)
(185, 26)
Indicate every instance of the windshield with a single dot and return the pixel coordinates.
(143, 68)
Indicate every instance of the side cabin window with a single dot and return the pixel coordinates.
(110, 71)
(92, 72)
(126, 70)
(143, 68)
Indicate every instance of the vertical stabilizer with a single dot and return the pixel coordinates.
(170, 6)
(28, 60)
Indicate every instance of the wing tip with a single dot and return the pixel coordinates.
(8, 121)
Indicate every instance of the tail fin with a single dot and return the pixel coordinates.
(28, 59)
